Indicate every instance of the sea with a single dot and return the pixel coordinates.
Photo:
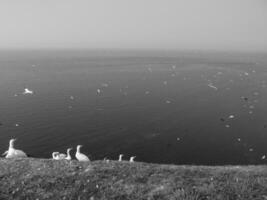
(170, 107)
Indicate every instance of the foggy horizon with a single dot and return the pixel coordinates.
(172, 25)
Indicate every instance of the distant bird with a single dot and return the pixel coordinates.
(80, 156)
(132, 158)
(27, 91)
(55, 156)
(68, 154)
(62, 156)
(120, 157)
(212, 86)
(14, 153)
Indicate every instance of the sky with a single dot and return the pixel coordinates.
(152, 24)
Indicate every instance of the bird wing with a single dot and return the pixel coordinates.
(19, 153)
(82, 157)
(5, 153)
(62, 156)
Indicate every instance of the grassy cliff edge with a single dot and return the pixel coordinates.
(50, 179)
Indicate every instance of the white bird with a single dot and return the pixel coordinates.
(62, 156)
(27, 91)
(55, 156)
(14, 153)
(132, 158)
(80, 156)
(68, 154)
(120, 157)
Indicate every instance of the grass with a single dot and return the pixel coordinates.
(48, 179)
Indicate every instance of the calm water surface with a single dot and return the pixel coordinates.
(163, 107)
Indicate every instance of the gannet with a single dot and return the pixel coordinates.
(27, 91)
(132, 158)
(62, 156)
(55, 156)
(14, 153)
(80, 156)
(68, 154)
(120, 157)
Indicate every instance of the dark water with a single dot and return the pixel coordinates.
(163, 107)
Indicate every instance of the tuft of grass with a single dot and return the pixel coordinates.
(50, 179)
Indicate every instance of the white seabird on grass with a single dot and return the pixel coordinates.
(80, 156)
(132, 159)
(120, 157)
(27, 91)
(14, 153)
(68, 154)
(55, 156)
(62, 156)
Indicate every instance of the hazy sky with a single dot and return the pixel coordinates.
(179, 24)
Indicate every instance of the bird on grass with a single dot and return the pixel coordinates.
(132, 159)
(55, 156)
(68, 154)
(80, 156)
(62, 156)
(120, 157)
(14, 153)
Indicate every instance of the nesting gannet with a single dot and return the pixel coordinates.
(55, 156)
(80, 156)
(68, 154)
(120, 157)
(14, 153)
(62, 156)
(132, 158)
(27, 91)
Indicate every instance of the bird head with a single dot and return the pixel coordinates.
(132, 158)
(55, 154)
